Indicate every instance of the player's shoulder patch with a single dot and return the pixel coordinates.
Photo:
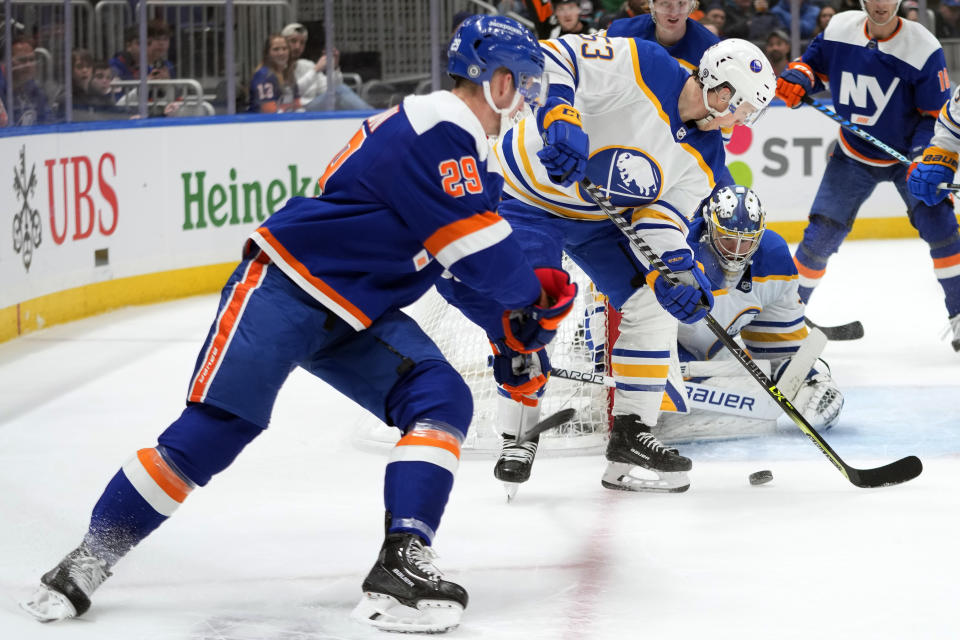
(773, 258)
(426, 112)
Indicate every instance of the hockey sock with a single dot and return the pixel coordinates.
(821, 239)
(946, 266)
(419, 477)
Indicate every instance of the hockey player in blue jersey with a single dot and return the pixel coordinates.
(938, 164)
(320, 286)
(887, 76)
(669, 25)
(755, 296)
(625, 114)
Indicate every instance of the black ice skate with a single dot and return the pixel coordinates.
(405, 592)
(632, 447)
(515, 462)
(955, 329)
(65, 590)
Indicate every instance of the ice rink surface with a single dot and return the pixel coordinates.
(276, 547)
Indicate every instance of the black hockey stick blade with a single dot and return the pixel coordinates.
(550, 422)
(849, 331)
(894, 473)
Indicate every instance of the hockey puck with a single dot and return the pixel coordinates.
(761, 477)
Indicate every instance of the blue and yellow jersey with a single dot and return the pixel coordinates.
(946, 134)
(652, 165)
(891, 88)
(409, 197)
(763, 306)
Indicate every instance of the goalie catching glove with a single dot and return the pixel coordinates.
(819, 399)
(689, 300)
(936, 165)
(531, 328)
(794, 83)
(566, 145)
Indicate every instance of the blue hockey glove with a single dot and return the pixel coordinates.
(566, 145)
(937, 165)
(688, 301)
(531, 328)
(522, 375)
(794, 83)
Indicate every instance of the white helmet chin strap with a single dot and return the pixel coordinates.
(489, 98)
(711, 112)
(893, 14)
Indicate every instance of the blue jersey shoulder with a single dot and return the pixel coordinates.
(773, 258)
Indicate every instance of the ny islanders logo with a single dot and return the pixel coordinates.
(632, 177)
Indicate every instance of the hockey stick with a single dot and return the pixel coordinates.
(849, 331)
(550, 422)
(857, 131)
(893, 473)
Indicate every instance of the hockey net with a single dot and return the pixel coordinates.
(580, 345)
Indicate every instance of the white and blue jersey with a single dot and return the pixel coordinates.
(891, 88)
(762, 306)
(266, 87)
(946, 133)
(409, 197)
(649, 163)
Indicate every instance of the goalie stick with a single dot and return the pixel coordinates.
(860, 133)
(849, 331)
(894, 473)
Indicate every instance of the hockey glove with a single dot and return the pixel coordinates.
(521, 375)
(566, 145)
(794, 83)
(691, 299)
(936, 165)
(530, 329)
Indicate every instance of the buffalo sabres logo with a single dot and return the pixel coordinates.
(632, 177)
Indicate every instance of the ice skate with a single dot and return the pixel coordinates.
(954, 328)
(65, 590)
(639, 462)
(515, 462)
(405, 592)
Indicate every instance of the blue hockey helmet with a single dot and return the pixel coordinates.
(735, 223)
(483, 44)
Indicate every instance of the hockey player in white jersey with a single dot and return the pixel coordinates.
(938, 164)
(624, 113)
(755, 297)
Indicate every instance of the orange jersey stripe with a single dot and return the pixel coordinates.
(322, 286)
(167, 479)
(431, 438)
(225, 327)
(807, 272)
(452, 232)
(854, 152)
(948, 261)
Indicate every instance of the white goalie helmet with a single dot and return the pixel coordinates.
(740, 66)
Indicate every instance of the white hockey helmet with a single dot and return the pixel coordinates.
(740, 66)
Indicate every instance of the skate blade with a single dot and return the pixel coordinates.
(618, 477)
(47, 605)
(511, 488)
(387, 614)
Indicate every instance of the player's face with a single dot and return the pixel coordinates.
(881, 12)
(671, 15)
(719, 101)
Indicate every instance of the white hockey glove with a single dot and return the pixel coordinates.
(820, 401)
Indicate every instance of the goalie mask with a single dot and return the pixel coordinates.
(742, 68)
(735, 222)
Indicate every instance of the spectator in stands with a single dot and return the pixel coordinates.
(567, 13)
(717, 16)
(808, 16)
(947, 20)
(82, 64)
(849, 5)
(910, 9)
(823, 18)
(159, 66)
(99, 101)
(763, 22)
(778, 50)
(739, 14)
(30, 104)
(311, 77)
(126, 63)
(273, 88)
